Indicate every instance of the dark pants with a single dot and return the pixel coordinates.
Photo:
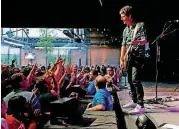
(134, 79)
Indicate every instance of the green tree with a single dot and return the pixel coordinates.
(46, 42)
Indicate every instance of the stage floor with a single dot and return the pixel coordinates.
(167, 112)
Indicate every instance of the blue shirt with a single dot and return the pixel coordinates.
(103, 97)
(91, 90)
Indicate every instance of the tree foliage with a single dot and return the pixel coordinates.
(46, 40)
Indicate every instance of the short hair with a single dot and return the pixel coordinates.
(40, 84)
(111, 68)
(127, 10)
(100, 83)
(16, 79)
(26, 71)
(16, 104)
(95, 72)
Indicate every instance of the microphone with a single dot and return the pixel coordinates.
(175, 21)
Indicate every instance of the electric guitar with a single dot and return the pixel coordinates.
(131, 51)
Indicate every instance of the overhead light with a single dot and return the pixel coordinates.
(68, 33)
(27, 31)
(101, 2)
(9, 34)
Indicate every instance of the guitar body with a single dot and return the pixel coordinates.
(127, 58)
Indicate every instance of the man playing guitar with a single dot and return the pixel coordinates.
(132, 57)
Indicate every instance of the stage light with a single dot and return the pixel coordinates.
(9, 34)
(68, 33)
(144, 122)
(27, 31)
(77, 40)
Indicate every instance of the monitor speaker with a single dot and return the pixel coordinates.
(68, 109)
(144, 122)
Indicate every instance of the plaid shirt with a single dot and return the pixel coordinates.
(128, 37)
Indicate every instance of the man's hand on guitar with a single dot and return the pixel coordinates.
(122, 65)
(139, 42)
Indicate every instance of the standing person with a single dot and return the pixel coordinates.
(134, 37)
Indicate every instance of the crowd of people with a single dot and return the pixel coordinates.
(26, 92)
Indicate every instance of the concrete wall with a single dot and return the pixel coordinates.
(38, 57)
(77, 54)
(94, 55)
(104, 56)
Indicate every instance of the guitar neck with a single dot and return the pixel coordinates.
(128, 51)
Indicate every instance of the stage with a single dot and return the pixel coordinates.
(99, 120)
(167, 112)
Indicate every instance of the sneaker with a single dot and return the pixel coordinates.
(137, 110)
(130, 105)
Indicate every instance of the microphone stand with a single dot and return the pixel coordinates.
(156, 99)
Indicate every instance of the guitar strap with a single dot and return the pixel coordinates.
(135, 31)
(133, 38)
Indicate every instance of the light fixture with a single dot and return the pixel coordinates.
(68, 33)
(9, 34)
(144, 122)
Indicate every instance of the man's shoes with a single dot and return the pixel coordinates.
(137, 110)
(130, 105)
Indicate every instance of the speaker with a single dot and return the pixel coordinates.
(77, 89)
(68, 109)
(144, 122)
